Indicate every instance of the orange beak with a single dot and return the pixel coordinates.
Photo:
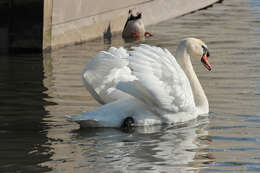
(205, 61)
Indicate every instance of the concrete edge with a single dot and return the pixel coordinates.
(47, 25)
(93, 27)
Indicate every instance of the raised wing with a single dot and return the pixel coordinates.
(104, 71)
(161, 83)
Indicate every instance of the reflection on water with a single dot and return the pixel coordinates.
(23, 144)
(38, 92)
(148, 149)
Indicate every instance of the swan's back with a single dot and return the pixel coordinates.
(161, 83)
(150, 74)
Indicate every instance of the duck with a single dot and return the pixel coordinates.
(145, 86)
(134, 27)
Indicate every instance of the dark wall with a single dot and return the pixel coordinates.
(4, 22)
(21, 25)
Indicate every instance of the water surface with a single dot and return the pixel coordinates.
(38, 91)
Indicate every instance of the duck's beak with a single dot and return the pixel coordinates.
(205, 61)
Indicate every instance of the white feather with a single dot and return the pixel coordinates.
(104, 71)
(146, 83)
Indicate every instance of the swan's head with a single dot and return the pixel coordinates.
(197, 49)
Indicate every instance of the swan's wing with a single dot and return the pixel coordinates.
(104, 71)
(161, 83)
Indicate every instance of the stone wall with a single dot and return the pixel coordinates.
(69, 21)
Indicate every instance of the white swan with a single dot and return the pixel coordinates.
(146, 84)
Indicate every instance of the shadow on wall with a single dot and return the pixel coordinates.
(21, 26)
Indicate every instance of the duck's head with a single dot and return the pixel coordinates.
(197, 49)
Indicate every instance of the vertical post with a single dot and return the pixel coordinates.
(47, 24)
(10, 24)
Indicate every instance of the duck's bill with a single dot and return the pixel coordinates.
(205, 62)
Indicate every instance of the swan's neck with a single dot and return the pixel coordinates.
(200, 98)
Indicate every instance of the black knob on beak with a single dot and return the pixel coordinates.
(128, 124)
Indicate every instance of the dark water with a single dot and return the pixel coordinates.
(38, 91)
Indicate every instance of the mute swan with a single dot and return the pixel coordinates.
(145, 85)
(134, 27)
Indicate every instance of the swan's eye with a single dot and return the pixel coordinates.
(204, 58)
(208, 54)
(205, 51)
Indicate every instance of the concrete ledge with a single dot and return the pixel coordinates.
(70, 22)
(47, 24)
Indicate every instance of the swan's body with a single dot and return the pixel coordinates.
(147, 84)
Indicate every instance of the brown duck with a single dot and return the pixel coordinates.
(134, 27)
